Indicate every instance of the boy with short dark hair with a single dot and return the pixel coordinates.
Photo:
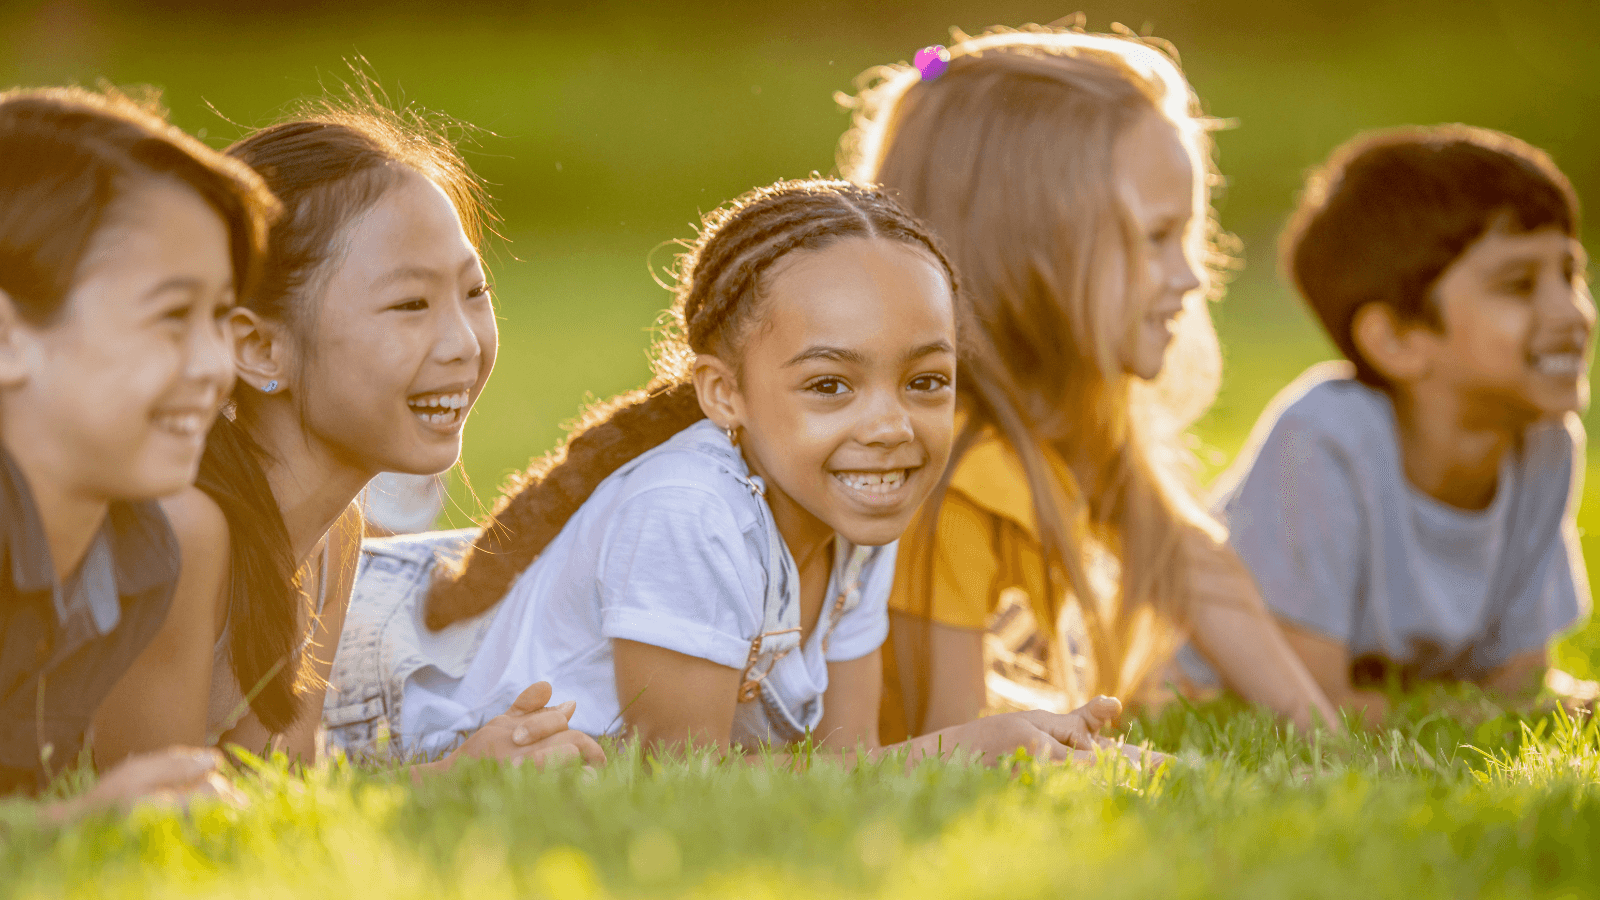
(1412, 511)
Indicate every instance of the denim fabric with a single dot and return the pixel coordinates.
(384, 640)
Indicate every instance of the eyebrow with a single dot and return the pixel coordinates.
(836, 354)
(179, 283)
(856, 357)
(418, 273)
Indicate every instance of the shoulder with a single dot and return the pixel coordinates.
(1552, 457)
(202, 535)
(990, 479)
(689, 475)
(197, 522)
(1325, 399)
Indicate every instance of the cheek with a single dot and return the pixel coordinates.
(487, 332)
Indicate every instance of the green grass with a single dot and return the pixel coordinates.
(1247, 810)
(611, 127)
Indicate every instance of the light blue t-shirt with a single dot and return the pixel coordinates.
(675, 550)
(1342, 544)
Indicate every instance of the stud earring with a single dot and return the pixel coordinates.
(271, 386)
(732, 431)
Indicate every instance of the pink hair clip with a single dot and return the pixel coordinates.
(931, 61)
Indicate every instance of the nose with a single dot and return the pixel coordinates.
(888, 422)
(1184, 273)
(456, 340)
(210, 358)
(1570, 308)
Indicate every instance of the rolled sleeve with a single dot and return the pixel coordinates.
(675, 572)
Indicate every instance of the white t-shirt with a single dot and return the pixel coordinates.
(672, 551)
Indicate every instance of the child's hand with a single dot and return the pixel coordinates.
(531, 732)
(1053, 736)
(174, 776)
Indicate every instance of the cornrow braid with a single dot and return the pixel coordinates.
(716, 300)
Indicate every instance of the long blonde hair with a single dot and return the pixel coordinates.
(1008, 156)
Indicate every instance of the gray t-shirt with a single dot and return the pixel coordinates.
(1340, 542)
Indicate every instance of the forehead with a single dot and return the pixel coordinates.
(161, 224)
(857, 291)
(413, 223)
(1501, 245)
(1155, 169)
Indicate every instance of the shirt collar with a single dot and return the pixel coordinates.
(142, 548)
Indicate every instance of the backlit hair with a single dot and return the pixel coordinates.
(1010, 157)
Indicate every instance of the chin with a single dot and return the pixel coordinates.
(875, 534)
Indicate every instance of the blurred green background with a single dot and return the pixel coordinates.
(607, 128)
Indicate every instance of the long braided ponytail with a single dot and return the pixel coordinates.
(717, 294)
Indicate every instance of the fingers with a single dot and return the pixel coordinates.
(566, 746)
(545, 723)
(531, 700)
(1100, 712)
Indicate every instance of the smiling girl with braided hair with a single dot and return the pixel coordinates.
(707, 561)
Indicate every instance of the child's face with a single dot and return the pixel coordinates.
(116, 395)
(404, 336)
(847, 395)
(1155, 178)
(1517, 316)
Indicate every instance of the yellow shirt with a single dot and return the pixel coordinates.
(986, 543)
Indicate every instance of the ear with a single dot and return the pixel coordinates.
(718, 390)
(14, 345)
(260, 349)
(1400, 351)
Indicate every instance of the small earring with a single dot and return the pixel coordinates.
(732, 431)
(271, 386)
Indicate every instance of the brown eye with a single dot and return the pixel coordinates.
(929, 383)
(829, 387)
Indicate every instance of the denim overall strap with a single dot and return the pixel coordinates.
(780, 625)
(849, 587)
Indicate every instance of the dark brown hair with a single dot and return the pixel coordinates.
(328, 165)
(70, 155)
(718, 292)
(1389, 211)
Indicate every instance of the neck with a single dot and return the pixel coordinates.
(312, 483)
(69, 517)
(1445, 451)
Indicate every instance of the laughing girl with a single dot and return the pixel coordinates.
(707, 560)
(361, 351)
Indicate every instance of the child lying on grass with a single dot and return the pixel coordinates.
(708, 561)
(1411, 512)
(121, 241)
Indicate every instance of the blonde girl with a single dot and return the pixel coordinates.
(361, 350)
(1069, 174)
(707, 561)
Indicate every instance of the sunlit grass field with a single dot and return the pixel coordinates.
(607, 132)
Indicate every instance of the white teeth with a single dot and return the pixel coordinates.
(1561, 365)
(187, 424)
(427, 403)
(872, 482)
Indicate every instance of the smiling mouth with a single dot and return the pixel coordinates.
(1562, 364)
(875, 488)
(185, 423)
(441, 410)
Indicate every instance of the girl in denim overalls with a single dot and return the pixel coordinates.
(714, 552)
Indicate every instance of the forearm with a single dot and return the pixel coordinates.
(1254, 659)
